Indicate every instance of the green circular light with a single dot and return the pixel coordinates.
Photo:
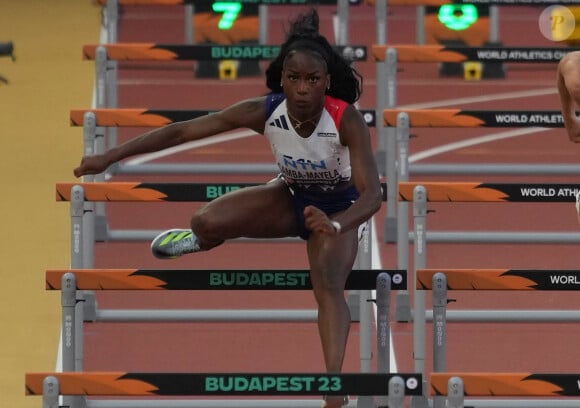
(458, 17)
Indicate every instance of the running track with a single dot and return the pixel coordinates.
(295, 347)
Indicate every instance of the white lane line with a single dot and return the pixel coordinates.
(225, 137)
(434, 151)
(482, 98)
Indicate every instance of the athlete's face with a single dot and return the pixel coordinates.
(305, 80)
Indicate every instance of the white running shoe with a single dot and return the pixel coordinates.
(174, 243)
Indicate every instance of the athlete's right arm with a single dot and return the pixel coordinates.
(250, 113)
(568, 82)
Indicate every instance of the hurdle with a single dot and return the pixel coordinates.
(440, 281)
(83, 226)
(82, 253)
(103, 53)
(388, 99)
(440, 53)
(387, 58)
(93, 119)
(558, 389)
(159, 387)
(90, 119)
(420, 193)
(499, 279)
(404, 119)
(106, 89)
(112, 13)
(106, 66)
(71, 281)
(494, 13)
(78, 194)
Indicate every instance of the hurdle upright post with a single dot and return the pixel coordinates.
(108, 72)
(77, 261)
(101, 61)
(88, 217)
(383, 322)
(420, 27)
(455, 393)
(383, 302)
(70, 348)
(382, 100)
(50, 392)
(439, 322)
(439, 330)
(358, 299)
(396, 396)
(390, 136)
(403, 305)
(364, 261)
(77, 226)
(381, 24)
(342, 13)
(189, 29)
(100, 76)
(112, 100)
(419, 314)
(111, 14)
(68, 325)
(89, 135)
(381, 9)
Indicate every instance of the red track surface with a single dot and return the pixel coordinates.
(295, 347)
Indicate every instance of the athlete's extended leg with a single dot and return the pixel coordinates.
(263, 211)
(331, 259)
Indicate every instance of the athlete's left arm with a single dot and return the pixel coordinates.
(354, 133)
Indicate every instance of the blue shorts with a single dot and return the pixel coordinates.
(329, 201)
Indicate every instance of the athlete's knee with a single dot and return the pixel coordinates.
(329, 282)
(207, 228)
(329, 296)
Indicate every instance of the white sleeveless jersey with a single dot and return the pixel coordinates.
(318, 162)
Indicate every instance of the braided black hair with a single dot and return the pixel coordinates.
(345, 81)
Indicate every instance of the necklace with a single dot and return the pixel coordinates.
(299, 123)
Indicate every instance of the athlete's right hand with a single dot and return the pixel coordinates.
(317, 221)
(92, 165)
(573, 130)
